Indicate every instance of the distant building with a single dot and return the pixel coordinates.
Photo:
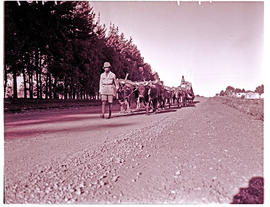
(247, 95)
(240, 95)
(252, 95)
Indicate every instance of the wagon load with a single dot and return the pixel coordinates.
(186, 87)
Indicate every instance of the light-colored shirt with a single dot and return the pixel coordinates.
(186, 85)
(107, 84)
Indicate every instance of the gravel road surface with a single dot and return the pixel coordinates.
(200, 154)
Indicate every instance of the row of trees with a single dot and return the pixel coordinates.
(260, 89)
(231, 90)
(58, 49)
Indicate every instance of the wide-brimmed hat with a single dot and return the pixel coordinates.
(107, 65)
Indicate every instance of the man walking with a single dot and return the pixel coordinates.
(183, 80)
(107, 88)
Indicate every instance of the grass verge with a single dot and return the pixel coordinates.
(254, 107)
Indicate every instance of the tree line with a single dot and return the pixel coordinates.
(58, 48)
(231, 90)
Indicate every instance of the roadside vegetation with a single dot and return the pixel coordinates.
(254, 107)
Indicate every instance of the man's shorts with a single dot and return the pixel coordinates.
(108, 98)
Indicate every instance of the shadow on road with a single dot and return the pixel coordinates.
(24, 133)
(26, 120)
(50, 120)
(136, 113)
(193, 104)
(253, 194)
(79, 116)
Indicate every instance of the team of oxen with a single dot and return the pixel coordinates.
(152, 95)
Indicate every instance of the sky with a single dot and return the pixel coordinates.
(214, 44)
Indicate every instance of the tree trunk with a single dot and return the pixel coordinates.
(54, 89)
(24, 84)
(74, 93)
(15, 94)
(37, 72)
(47, 87)
(81, 94)
(70, 92)
(37, 82)
(40, 86)
(50, 86)
(31, 85)
(65, 89)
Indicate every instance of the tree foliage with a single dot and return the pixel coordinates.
(260, 89)
(59, 49)
(229, 90)
(222, 93)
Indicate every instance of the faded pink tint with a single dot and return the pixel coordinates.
(213, 44)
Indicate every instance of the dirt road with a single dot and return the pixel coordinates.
(200, 154)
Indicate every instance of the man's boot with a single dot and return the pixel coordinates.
(110, 113)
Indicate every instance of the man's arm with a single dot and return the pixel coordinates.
(115, 82)
(100, 83)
